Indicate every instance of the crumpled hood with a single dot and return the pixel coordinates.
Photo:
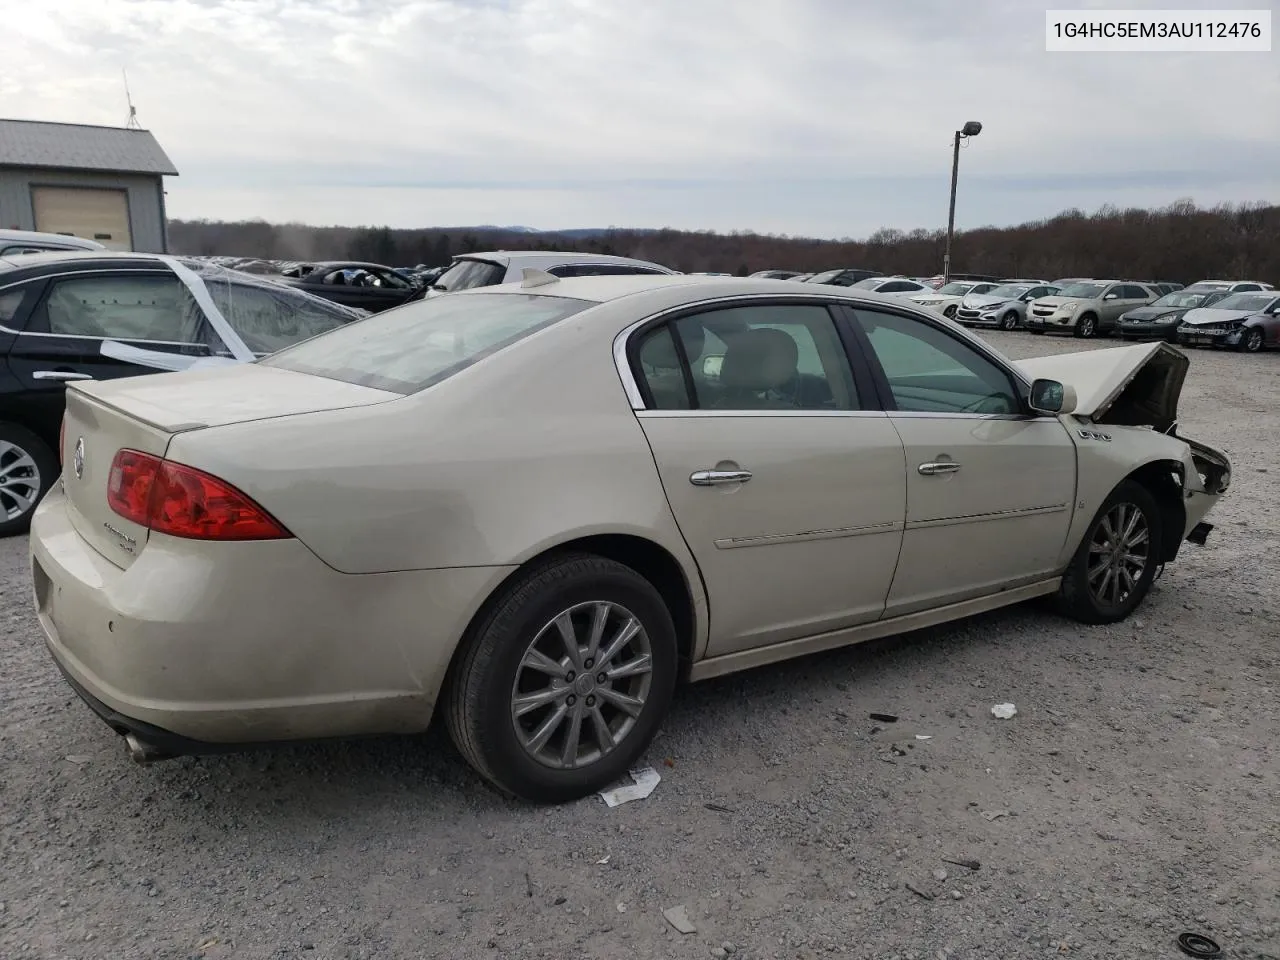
(1133, 386)
(1154, 313)
(1202, 316)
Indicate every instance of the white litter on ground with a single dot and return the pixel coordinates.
(1004, 711)
(646, 781)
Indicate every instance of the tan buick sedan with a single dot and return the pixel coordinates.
(538, 507)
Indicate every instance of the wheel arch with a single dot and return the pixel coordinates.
(651, 560)
(1162, 479)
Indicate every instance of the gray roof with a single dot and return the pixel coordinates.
(72, 146)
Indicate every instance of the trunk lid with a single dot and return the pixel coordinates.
(1128, 386)
(144, 413)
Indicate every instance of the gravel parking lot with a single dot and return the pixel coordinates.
(1133, 797)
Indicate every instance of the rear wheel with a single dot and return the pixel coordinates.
(564, 680)
(1251, 342)
(28, 469)
(1116, 562)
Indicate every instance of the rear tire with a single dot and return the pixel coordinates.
(28, 469)
(1117, 559)
(518, 693)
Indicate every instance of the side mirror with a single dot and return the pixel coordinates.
(1052, 397)
(711, 366)
(1112, 296)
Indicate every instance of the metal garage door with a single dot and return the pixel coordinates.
(91, 213)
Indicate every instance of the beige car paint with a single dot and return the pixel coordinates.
(808, 544)
(410, 512)
(1001, 518)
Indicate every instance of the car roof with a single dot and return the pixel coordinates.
(35, 236)
(75, 256)
(567, 256)
(347, 264)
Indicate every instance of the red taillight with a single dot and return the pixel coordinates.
(182, 501)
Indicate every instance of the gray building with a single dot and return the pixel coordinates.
(100, 183)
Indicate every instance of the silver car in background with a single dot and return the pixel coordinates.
(471, 270)
(1004, 307)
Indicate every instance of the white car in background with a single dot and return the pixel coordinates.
(469, 271)
(533, 509)
(946, 299)
(895, 286)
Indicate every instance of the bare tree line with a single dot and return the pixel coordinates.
(1180, 242)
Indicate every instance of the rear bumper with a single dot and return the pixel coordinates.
(202, 644)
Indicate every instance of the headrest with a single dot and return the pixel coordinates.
(760, 359)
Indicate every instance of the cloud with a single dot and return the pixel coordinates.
(820, 117)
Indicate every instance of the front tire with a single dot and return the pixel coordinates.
(564, 680)
(1116, 562)
(949, 312)
(1009, 321)
(1087, 327)
(1251, 342)
(28, 469)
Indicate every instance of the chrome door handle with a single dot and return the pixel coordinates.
(63, 375)
(709, 478)
(933, 469)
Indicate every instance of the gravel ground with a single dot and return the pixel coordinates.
(1133, 797)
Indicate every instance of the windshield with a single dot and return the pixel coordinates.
(826, 277)
(1081, 291)
(412, 347)
(1253, 302)
(1010, 291)
(1181, 299)
(468, 274)
(956, 289)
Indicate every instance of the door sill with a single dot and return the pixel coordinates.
(758, 657)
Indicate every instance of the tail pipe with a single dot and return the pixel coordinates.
(142, 752)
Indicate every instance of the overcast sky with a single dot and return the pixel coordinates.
(814, 117)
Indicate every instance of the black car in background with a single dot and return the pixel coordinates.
(57, 310)
(368, 286)
(843, 278)
(1160, 320)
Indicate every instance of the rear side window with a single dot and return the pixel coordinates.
(121, 306)
(469, 274)
(268, 320)
(410, 348)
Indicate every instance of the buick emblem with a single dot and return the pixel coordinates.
(77, 461)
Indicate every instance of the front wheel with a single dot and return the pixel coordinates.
(1087, 326)
(1116, 562)
(949, 312)
(1251, 342)
(28, 469)
(564, 680)
(1009, 321)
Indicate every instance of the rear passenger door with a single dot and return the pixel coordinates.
(62, 338)
(786, 482)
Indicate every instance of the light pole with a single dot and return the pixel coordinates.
(970, 129)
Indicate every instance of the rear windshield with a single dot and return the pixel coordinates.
(469, 274)
(412, 347)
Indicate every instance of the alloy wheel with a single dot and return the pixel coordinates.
(1119, 551)
(1009, 321)
(1253, 340)
(581, 685)
(19, 481)
(1086, 327)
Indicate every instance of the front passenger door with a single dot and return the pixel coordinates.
(989, 487)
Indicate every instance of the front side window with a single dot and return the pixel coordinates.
(412, 347)
(930, 371)
(136, 306)
(784, 357)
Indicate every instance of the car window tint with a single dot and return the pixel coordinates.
(469, 274)
(268, 320)
(10, 302)
(930, 371)
(412, 347)
(784, 357)
(898, 286)
(119, 306)
(661, 371)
